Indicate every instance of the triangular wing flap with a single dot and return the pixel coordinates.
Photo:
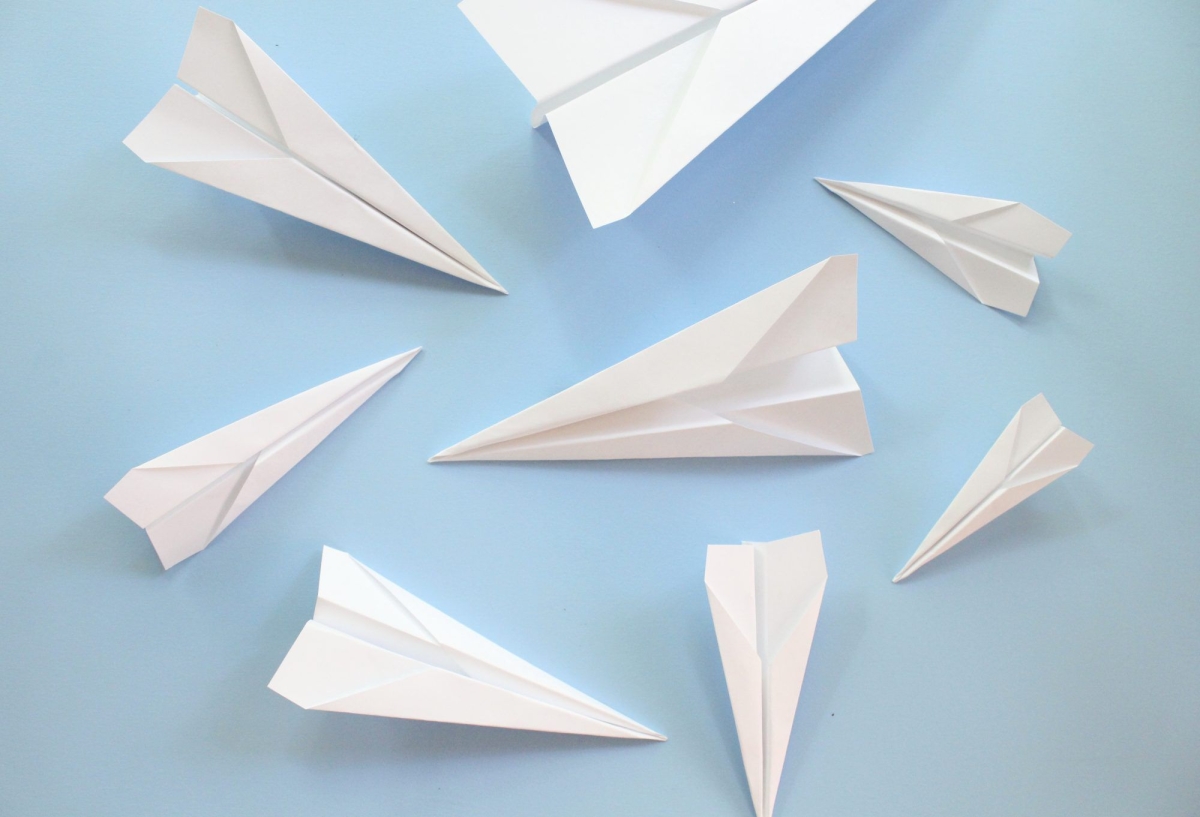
(314, 136)
(987, 477)
(553, 46)
(325, 665)
(835, 423)
(1022, 227)
(930, 203)
(609, 135)
(146, 494)
(285, 453)
(917, 235)
(1062, 453)
(245, 438)
(729, 577)
(188, 528)
(823, 314)
(997, 283)
(785, 677)
(216, 64)
(183, 128)
(1036, 424)
(781, 35)
(490, 663)
(347, 584)
(790, 573)
(703, 354)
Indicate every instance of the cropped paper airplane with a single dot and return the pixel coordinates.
(760, 378)
(1033, 451)
(986, 246)
(375, 649)
(252, 131)
(636, 89)
(765, 598)
(185, 498)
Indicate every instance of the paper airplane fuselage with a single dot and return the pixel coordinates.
(765, 599)
(636, 89)
(186, 497)
(1033, 451)
(373, 648)
(252, 131)
(986, 246)
(760, 378)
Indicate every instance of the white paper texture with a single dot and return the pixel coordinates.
(186, 497)
(760, 378)
(252, 131)
(636, 89)
(986, 246)
(373, 648)
(1034, 450)
(765, 598)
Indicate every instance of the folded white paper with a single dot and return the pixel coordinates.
(986, 246)
(373, 648)
(760, 378)
(252, 131)
(1033, 451)
(636, 89)
(186, 497)
(765, 598)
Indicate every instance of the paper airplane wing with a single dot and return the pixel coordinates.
(750, 380)
(373, 648)
(986, 246)
(765, 599)
(636, 90)
(186, 497)
(251, 111)
(1033, 451)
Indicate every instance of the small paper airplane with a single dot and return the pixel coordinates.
(760, 378)
(185, 498)
(1033, 451)
(986, 246)
(252, 131)
(765, 598)
(636, 89)
(373, 648)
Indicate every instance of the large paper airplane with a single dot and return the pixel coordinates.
(1033, 451)
(986, 246)
(373, 648)
(185, 498)
(636, 89)
(760, 378)
(765, 598)
(252, 131)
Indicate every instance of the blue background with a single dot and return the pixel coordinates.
(1048, 666)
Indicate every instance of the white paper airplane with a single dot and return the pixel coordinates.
(373, 648)
(765, 598)
(636, 89)
(1033, 451)
(252, 131)
(760, 378)
(185, 498)
(986, 246)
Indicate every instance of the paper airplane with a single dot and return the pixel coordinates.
(373, 648)
(765, 598)
(986, 246)
(252, 131)
(760, 378)
(636, 89)
(1033, 451)
(185, 498)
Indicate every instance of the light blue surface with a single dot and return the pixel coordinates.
(1048, 666)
